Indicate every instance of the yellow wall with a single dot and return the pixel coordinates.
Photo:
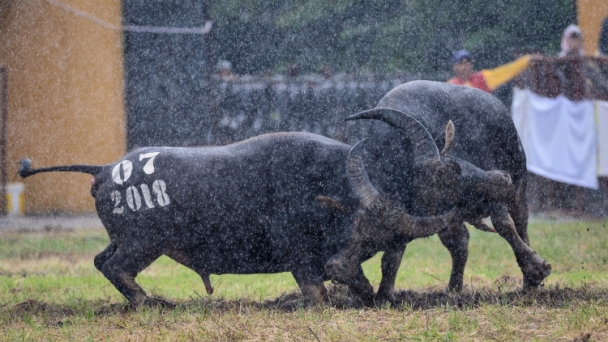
(65, 96)
(591, 13)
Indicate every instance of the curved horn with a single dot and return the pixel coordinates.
(422, 142)
(359, 182)
(394, 216)
(417, 227)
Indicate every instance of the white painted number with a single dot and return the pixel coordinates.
(120, 177)
(133, 198)
(121, 174)
(160, 187)
(122, 171)
(116, 199)
(147, 197)
(149, 167)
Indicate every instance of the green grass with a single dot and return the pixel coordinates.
(35, 263)
(56, 269)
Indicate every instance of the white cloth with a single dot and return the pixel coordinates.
(558, 136)
(601, 112)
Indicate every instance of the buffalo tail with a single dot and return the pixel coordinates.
(26, 171)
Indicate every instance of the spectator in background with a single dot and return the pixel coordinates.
(603, 43)
(224, 71)
(572, 42)
(487, 79)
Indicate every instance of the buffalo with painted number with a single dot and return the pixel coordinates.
(481, 170)
(273, 203)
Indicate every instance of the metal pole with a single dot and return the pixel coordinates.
(3, 114)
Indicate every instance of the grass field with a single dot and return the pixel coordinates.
(50, 290)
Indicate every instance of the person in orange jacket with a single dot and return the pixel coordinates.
(487, 79)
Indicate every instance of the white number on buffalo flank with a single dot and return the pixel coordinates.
(122, 171)
(160, 187)
(147, 197)
(149, 167)
(134, 198)
(118, 209)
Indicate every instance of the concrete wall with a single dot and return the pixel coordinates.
(591, 13)
(165, 74)
(65, 95)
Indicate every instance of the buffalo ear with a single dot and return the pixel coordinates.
(449, 138)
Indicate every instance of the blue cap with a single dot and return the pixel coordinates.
(460, 55)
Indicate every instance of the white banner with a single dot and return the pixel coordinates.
(601, 110)
(558, 136)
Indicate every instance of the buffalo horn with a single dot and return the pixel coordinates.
(394, 217)
(418, 227)
(422, 142)
(359, 182)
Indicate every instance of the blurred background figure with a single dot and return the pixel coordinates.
(327, 72)
(487, 79)
(293, 70)
(224, 71)
(572, 42)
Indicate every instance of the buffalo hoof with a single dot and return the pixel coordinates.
(453, 288)
(368, 301)
(384, 299)
(532, 289)
(364, 290)
(535, 272)
(455, 285)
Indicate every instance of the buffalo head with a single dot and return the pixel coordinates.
(439, 182)
(378, 221)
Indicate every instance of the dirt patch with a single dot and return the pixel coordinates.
(553, 297)
(33, 307)
(339, 298)
(113, 309)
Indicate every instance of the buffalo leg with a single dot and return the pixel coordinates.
(519, 213)
(345, 268)
(518, 209)
(391, 261)
(533, 267)
(312, 289)
(187, 261)
(104, 256)
(456, 239)
(361, 287)
(122, 268)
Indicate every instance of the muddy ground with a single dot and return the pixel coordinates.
(339, 298)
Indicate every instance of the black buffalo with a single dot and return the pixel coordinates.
(273, 203)
(481, 171)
